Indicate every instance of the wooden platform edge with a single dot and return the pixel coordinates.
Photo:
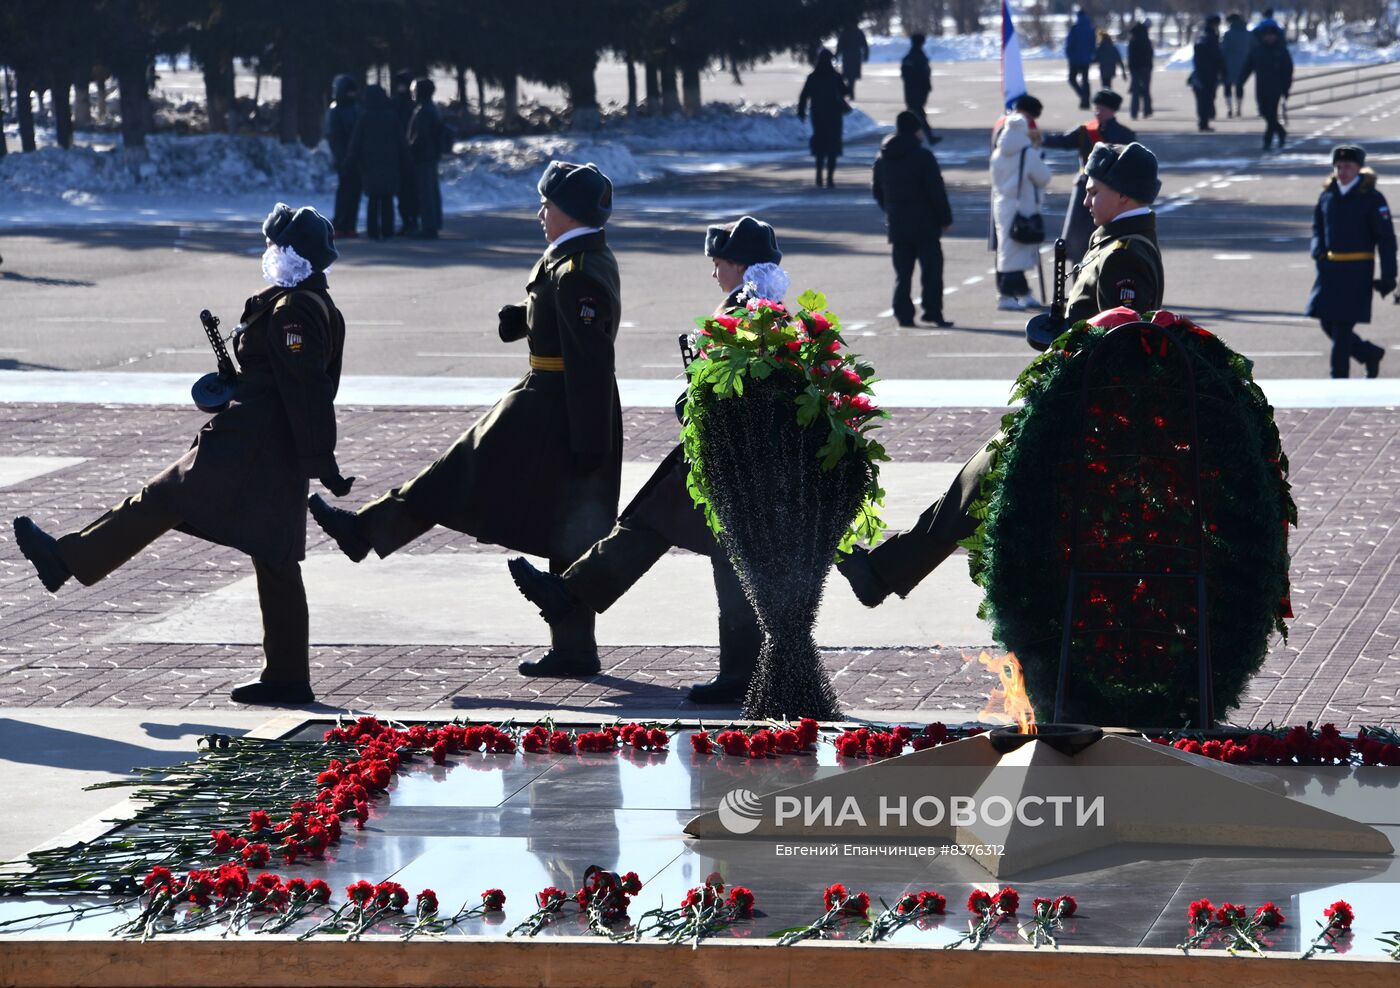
(582, 962)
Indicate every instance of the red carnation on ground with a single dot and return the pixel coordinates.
(551, 899)
(427, 902)
(1268, 915)
(257, 855)
(391, 895)
(360, 893)
(1230, 913)
(741, 900)
(1007, 901)
(979, 901)
(1339, 915)
(259, 820)
(1200, 911)
(701, 742)
(808, 731)
(493, 900)
(318, 891)
(833, 894)
(1065, 906)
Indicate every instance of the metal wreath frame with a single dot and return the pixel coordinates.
(1118, 336)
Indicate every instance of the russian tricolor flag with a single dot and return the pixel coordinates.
(1013, 76)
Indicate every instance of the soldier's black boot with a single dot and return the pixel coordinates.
(740, 639)
(860, 573)
(563, 663)
(260, 694)
(41, 549)
(341, 525)
(545, 590)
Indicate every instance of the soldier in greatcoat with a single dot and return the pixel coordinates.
(1352, 229)
(745, 256)
(243, 482)
(1123, 267)
(540, 472)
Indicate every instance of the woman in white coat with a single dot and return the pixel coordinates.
(1019, 178)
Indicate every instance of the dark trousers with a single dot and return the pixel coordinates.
(379, 221)
(827, 162)
(389, 523)
(1012, 284)
(1268, 109)
(408, 199)
(122, 532)
(902, 561)
(1234, 93)
(1140, 87)
(347, 202)
(429, 196)
(929, 254)
(915, 101)
(1347, 346)
(1205, 105)
(1079, 82)
(1106, 77)
(614, 564)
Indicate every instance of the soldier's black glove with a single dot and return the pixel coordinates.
(1385, 285)
(336, 484)
(512, 323)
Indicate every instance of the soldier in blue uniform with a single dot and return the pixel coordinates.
(1103, 129)
(1351, 226)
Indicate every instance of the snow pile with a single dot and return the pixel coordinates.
(1322, 50)
(481, 172)
(955, 47)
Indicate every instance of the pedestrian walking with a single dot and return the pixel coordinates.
(1104, 128)
(1123, 267)
(540, 472)
(1110, 60)
(908, 187)
(916, 76)
(1352, 228)
(1079, 53)
(1234, 46)
(428, 140)
(744, 260)
(408, 181)
(1140, 56)
(380, 152)
(1019, 179)
(1272, 68)
(824, 94)
(854, 50)
(1207, 71)
(339, 126)
(243, 482)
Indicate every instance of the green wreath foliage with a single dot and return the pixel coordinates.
(1133, 653)
(803, 353)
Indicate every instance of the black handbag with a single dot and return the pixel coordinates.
(1026, 229)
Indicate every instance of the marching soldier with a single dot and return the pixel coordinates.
(1351, 225)
(540, 472)
(1123, 267)
(1104, 128)
(243, 482)
(662, 515)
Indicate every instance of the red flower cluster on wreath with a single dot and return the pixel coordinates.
(849, 903)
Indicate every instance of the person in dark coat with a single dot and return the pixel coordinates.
(1140, 56)
(908, 187)
(1105, 127)
(825, 93)
(1124, 267)
(408, 182)
(745, 256)
(1351, 226)
(916, 76)
(338, 127)
(243, 482)
(853, 49)
(428, 141)
(1109, 58)
(541, 471)
(1272, 68)
(379, 149)
(1234, 47)
(1079, 54)
(1207, 71)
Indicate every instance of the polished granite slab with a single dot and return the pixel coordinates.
(522, 822)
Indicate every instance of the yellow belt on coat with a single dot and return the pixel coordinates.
(1354, 255)
(546, 363)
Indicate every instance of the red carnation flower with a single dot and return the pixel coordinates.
(318, 891)
(1339, 915)
(257, 855)
(360, 893)
(979, 901)
(1065, 906)
(158, 879)
(1268, 915)
(259, 820)
(1230, 913)
(1008, 900)
(493, 900)
(741, 900)
(701, 742)
(1200, 911)
(551, 899)
(631, 883)
(833, 894)
(427, 902)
